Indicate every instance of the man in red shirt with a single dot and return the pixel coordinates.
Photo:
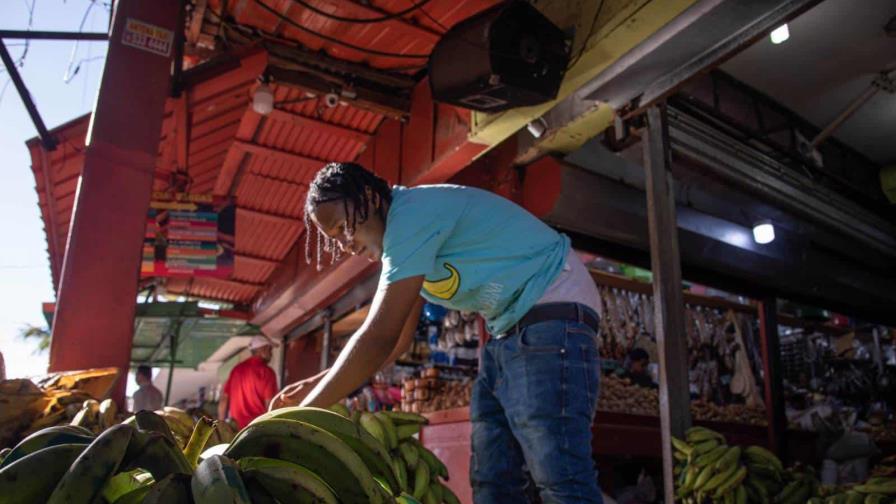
(251, 385)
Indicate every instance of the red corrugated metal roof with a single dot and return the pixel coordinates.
(264, 162)
(413, 34)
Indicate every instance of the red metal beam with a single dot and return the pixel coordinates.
(182, 127)
(104, 249)
(235, 158)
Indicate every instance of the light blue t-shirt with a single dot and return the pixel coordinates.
(479, 252)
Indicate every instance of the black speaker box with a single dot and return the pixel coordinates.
(507, 56)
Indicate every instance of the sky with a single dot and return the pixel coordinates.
(24, 268)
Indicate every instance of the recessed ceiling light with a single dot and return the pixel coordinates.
(780, 34)
(764, 232)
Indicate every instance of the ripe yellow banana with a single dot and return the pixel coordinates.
(371, 451)
(84, 481)
(33, 477)
(313, 448)
(285, 481)
(217, 479)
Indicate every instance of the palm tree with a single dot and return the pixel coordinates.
(42, 334)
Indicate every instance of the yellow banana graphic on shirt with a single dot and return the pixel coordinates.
(445, 288)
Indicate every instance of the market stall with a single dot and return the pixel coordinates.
(260, 97)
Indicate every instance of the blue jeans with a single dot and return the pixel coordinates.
(533, 404)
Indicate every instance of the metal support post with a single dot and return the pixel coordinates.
(772, 381)
(675, 416)
(94, 321)
(172, 357)
(46, 139)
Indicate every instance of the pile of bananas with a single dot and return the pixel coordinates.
(708, 470)
(291, 455)
(877, 490)
(880, 488)
(181, 424)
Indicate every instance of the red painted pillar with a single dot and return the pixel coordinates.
(94, 321)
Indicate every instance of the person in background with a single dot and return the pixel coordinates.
(2, 368)
(147, 397)
(636, 371)
(251, 385)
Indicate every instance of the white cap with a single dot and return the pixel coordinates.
(261, 341)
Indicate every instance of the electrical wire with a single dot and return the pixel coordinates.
(70, 72)
(434, 20)
(334, 40)
(247, 31)
(344, 19)
(590, 33)
(20, 61)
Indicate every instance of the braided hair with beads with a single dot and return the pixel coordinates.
(349, 183)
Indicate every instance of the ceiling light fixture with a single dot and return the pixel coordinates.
(263, 99)
(537, 127)
(764, 232)
(780, 34)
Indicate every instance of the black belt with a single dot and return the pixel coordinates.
(575, 312)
